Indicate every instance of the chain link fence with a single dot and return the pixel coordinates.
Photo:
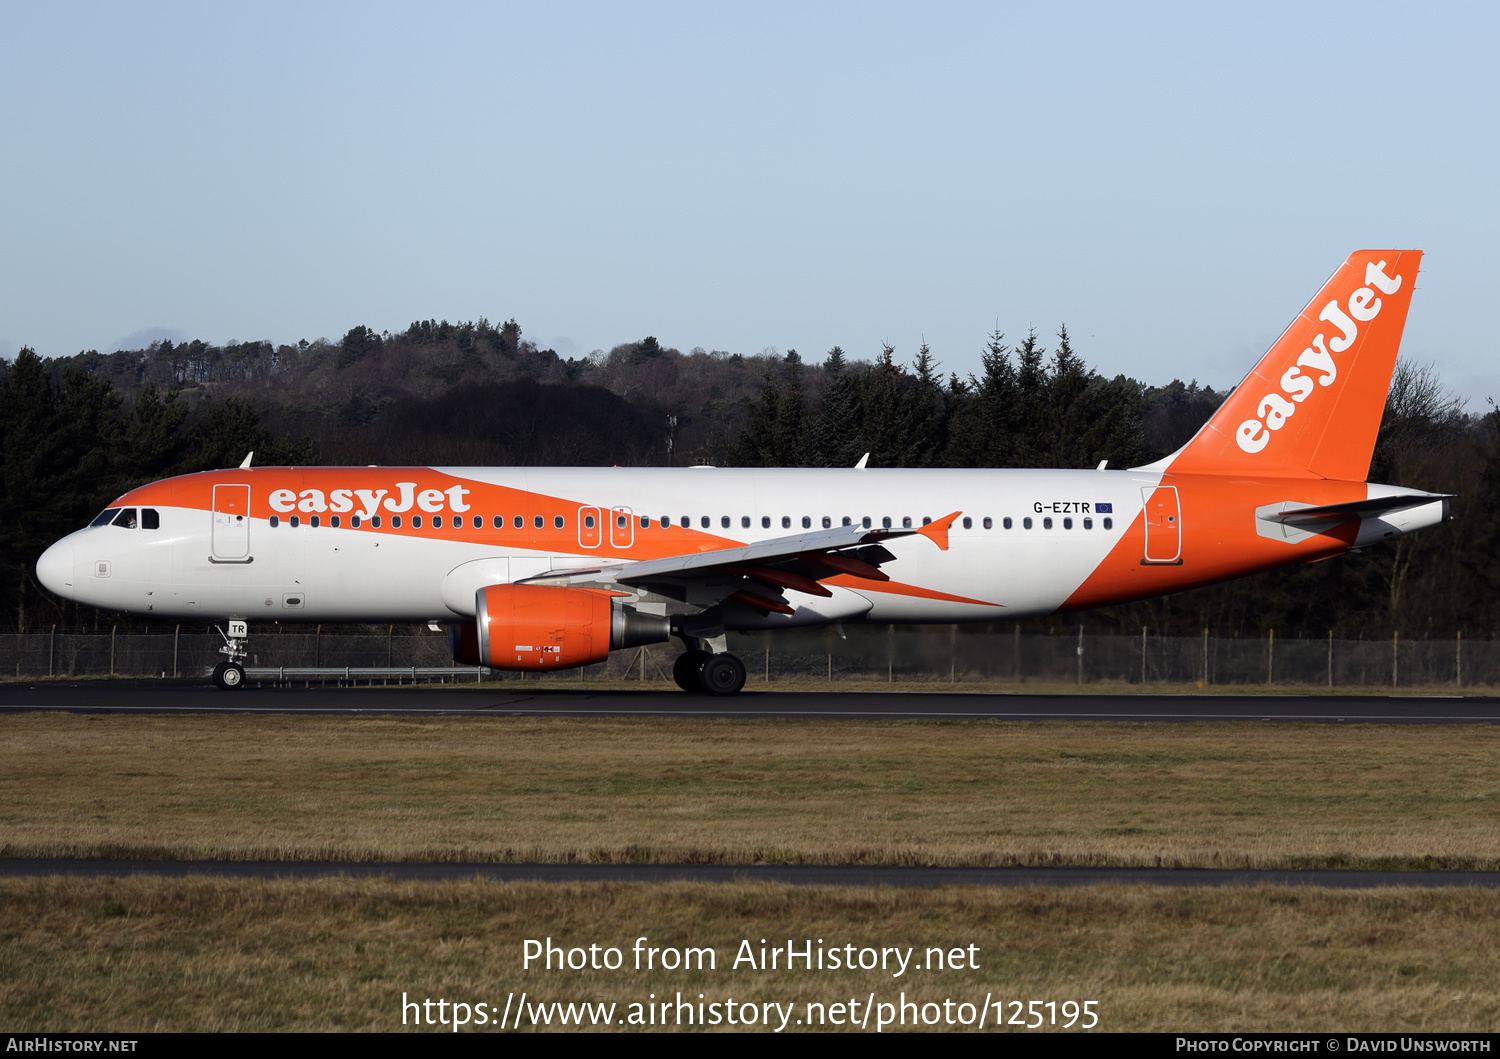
(906, 654)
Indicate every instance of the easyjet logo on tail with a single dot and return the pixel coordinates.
(1274, 409)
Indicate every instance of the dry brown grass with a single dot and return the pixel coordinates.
(143, 954)
(679, 790)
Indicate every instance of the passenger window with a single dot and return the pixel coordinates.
(705, 521)
(151, 519)
(744, 522)
(865, 522)
(847, 521)
(806, 522)
(498, 522)
(989, 523)
(1067, 523)
(622, 521)
(827, 522)
(724, 521)
(479, 522)
(395, 522)
(1088, 523)
(1047, 523)
(537, 522)
(437, 521)
(1109, 523)
(519, 522)
(375, 522)
(765, 522)
(666, 522)
(557, 522)
(105, 517)
(335, 521)
(126, 518)
(296, 520)
(354, 521)
(885, 523)
(416, 522)
(1026, 522)
(786, 521)
(588, 521)
(645, 522)
(276, 521)
(968, 522)
(926, 520)
(906, 522)
(317, 521)
(1007, 522)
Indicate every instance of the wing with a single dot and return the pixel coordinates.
(758, 574)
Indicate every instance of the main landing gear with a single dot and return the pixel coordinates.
(713, 674)
(230, 674)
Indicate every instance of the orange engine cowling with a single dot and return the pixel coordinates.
(531, 627)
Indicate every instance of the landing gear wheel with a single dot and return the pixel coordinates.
(685, 669)
(228, 676)
(722, 675)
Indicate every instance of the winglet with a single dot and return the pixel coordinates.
(937, 532)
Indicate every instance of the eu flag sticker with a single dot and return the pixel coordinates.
(1105, 509)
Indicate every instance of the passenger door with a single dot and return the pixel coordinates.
(231, 526)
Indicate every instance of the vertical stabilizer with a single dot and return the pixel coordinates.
(1312, 406)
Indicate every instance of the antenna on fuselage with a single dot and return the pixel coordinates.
(862, 461)
(245, 464)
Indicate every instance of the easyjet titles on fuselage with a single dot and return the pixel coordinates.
(371, 501)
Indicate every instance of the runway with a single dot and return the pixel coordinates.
(792, 874)
(869, 702)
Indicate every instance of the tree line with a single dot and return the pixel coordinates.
(77, 431)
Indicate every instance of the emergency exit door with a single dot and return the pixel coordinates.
(1163, 525)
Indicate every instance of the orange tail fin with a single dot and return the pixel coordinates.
(1312, 406)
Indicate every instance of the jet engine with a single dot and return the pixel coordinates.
(536, 627)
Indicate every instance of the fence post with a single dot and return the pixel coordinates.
(953, 654)
(1143, 654)
(1395, 658)
(389, 632)
(1205, 657)
(1018, 653)
(51, 649)
(890, 654)
(112, 630)
(1270, 655)
(768, 657)
(1080, 654)
(318, 647)
(1330, 658)
(1458, 660)
(176, 634)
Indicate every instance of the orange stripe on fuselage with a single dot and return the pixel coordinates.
(1219, 540)
(480, 498)
(896, 588)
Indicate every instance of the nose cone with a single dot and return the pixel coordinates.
(55, 569)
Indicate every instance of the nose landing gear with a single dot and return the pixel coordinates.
(230, 674)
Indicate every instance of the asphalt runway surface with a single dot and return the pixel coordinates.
(794, 874)
(518, 700)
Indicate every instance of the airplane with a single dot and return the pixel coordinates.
(548, 568)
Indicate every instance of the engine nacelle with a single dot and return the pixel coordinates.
(532, 627)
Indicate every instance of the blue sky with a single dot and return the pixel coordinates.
(1172, 181)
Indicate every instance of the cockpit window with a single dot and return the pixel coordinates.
(105, 517)
(150, 519)
(125, 518)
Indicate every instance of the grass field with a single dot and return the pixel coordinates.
(629, 790)
(142, 954)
